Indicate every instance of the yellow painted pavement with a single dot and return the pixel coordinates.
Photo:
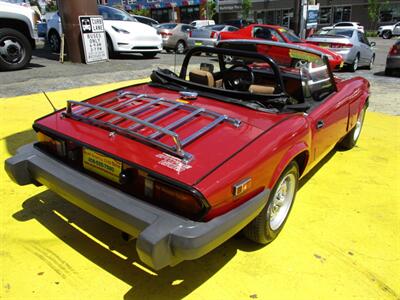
(342, 240)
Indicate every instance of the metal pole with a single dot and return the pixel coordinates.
(70, 10)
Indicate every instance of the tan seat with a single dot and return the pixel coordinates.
(261, 89)
(202, 77)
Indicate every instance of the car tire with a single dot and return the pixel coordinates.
(386, 34)
(269, 223)
(354, 66)
(351, 138)
(180, 47)
(371, 63)
(110, 48)
(54, 41)
(149, 54)
(15, 50)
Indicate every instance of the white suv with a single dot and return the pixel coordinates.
(17, 36)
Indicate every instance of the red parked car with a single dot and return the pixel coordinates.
(186, 161)
(280, 34)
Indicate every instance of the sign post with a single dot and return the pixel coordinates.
(93, 38)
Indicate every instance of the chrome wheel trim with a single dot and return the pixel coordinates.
(54, 42)
(359, 123)
(282, 201)
(11, 50)
(355, 64)
(180, 48)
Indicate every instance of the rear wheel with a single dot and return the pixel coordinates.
(269, 223)
(350, 140)
(54, 41)
(149, 54)
(15, 50)
(386, 34)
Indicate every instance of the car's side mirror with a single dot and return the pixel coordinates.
(372, 44)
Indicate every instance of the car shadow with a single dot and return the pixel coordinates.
(17, 140)
(102, 244)
(382, 74)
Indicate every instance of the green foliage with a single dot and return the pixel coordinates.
(374, 8)
(51, 6)
(211, 9)
(246, 6)
(141, 12)
(371, 33)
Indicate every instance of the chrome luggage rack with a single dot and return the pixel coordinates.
(141, 103)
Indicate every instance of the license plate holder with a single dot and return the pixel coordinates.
(101, 164)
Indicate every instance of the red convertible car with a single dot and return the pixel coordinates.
(188, 160)
(280, 34)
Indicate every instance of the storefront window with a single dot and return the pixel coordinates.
(190, 13)
(162, 15)
(390, 13)
(325, 15)
(342, 14)
(270, 17)
(287, 17)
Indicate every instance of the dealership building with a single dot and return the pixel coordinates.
(331, 11)
(262, 11)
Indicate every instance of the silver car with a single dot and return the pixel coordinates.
(393, 60)
(351, 44)
(174, 36)
(207, 35)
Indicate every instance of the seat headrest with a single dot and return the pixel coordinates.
(202, 77)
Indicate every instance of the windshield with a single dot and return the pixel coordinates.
(110, 13)
(345, 32)
(290, 35)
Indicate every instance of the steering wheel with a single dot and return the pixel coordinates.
(238, 81)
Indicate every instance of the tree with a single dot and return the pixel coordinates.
(211, 9)
(246, 6)
(374, 8)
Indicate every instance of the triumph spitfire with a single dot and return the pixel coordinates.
(188, 160)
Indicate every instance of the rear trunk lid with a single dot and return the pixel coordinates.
(333, 42)
(212, 136)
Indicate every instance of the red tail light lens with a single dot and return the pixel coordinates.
(395, 50)
(213, 35)
(179, 201)
(190, 33)
(340, 45)
(165, 34)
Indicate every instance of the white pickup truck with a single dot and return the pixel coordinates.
(387, 31)
(17, 36)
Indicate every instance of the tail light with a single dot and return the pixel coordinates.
(52, 145)
(214, 35)
(165, 34)
(340, 45)
(395, 50)
(182, 202)
(190, 33)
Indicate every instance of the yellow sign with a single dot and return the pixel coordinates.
(103, 165)
(310, 57)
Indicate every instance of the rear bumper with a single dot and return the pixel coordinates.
(393, 62)
(193, 42)
(163, 238)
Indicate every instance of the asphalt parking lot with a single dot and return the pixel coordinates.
(341, 240)
(47, 74)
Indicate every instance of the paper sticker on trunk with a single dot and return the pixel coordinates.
(172, 162)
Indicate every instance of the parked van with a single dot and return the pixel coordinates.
(201, 23)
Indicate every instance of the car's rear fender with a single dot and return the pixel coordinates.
(298, 153)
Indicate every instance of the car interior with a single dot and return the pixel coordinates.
(251, 78)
